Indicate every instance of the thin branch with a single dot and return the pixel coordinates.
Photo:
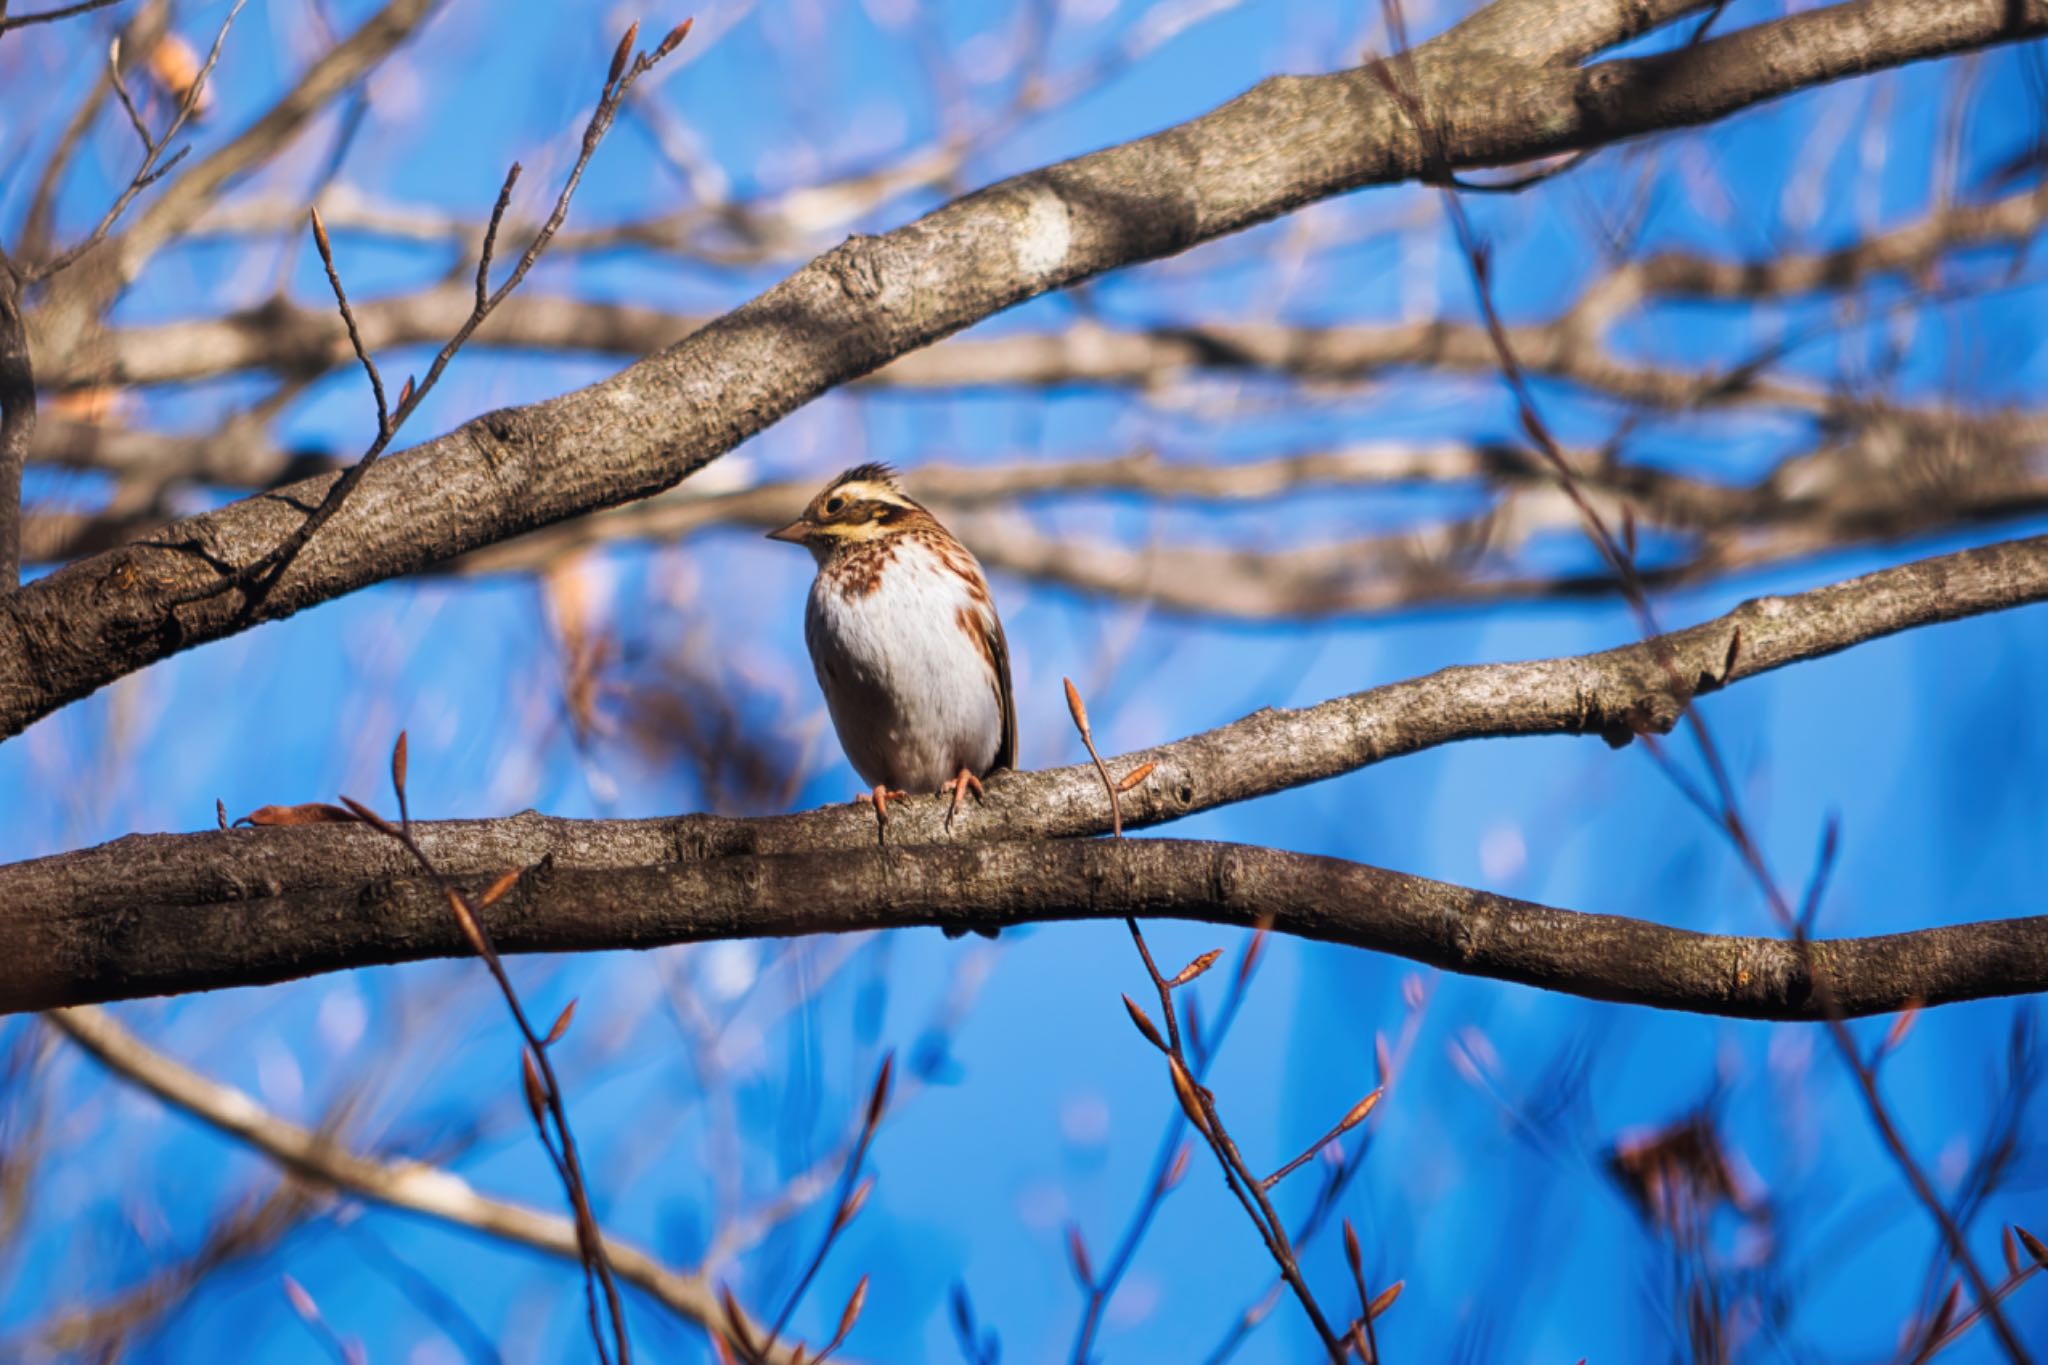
(49, 907)
(1281, 145)
(50, 16)
(256, 578)
(155, 166)
(411, 1185)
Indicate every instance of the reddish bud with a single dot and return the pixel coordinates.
(1251, 953)
(1358, 1112)
(622, 53)
(879, 1098)
(1184, 1091)
(736, 1323)
(536, 1092)
(1352, 1252)
(674, 39)
(1077, 1252)
(1901, 1026)
(302, 1302)
(1136, 776)
(562, 1020)
(495, 892)
(1196, 968)
(853, 1205)
(2033, 1246)
(1144, 1023)
(851, 1313)
(320, 237)
(1075, 708)
(465, 919)
(1177, 1171)
(398, 765)
(1385, 1299)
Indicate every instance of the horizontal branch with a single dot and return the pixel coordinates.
(986, 885)
(287, 339)
(1496, 87)
(413, 1186)
(163, 912)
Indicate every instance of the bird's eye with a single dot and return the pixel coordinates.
(834, 506)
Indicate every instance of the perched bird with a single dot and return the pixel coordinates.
(906, 643)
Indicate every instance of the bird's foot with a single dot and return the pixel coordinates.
(958, 787)
(880, 797)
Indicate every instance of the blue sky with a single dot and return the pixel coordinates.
(1034, 1104)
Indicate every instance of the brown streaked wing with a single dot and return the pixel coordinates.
(999, 649)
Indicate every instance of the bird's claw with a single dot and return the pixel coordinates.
(880, 797)
(958, 786)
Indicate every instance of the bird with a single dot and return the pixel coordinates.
(905, 639)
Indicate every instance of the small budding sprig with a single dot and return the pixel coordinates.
(1079, 711)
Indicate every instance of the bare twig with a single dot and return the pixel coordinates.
(50, 16)
(543, 1089)
(256, 579)
(155, 166)
(412, 1185)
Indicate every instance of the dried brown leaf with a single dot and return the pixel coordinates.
(312, 813)
(174, 65)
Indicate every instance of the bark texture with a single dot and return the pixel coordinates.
(170, 912)
(1500, 88)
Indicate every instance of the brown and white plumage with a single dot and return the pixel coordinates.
(906, 642)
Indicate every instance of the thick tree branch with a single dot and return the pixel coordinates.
(1287, 142)
(152, 913)
(566, 909)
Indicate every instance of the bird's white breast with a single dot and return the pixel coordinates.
(911, 693)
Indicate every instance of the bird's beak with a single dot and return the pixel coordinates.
(795, 533)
